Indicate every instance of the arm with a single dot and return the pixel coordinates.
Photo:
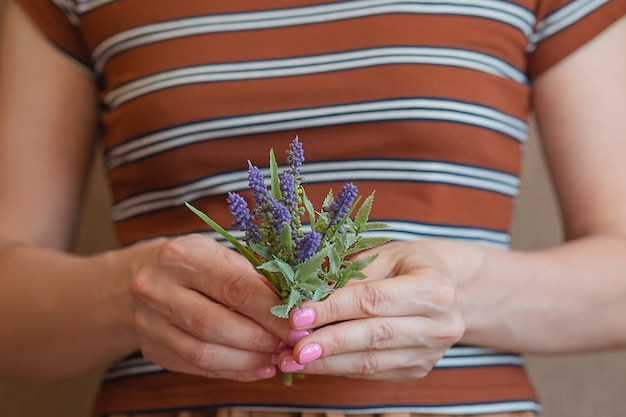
(571, 297)
(187, 303)
(48, 110)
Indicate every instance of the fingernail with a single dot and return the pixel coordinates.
(294, 336)
(309, 353)
(267, 372)
(282, 346)
(288, 364)
(303, 317)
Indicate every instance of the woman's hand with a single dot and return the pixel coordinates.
(395, 325)
(202, 309)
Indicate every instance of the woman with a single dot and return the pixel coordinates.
(424, 101)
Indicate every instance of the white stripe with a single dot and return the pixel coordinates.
(565, 17)
(461, 409)
(303, 118)
(412, 231)
(312, 167)
(493, 9)
(314, 64)
(85, 6)
(139, 370)
(122, 213)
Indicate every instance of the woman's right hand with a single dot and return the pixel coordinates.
(201, 308)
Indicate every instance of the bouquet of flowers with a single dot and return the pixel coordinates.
(301, 262)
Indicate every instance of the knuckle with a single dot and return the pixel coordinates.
(172, 251)
(382, 334)
(201, 357)
(370, 364)
(198, 323)
(236, 291)
(452, 331)
(444, 295)
(141, 284)
(371, 300)
(332, 344)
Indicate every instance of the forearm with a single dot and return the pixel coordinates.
(564, 299)
(62, 315)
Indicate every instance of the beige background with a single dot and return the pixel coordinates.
(575, 386)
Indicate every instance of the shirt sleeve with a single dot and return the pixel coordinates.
(60, 24)
(565, 25)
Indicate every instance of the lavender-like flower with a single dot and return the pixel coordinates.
(307, 246)
(243, 219)
(256, 183)
(280, 216)
(342, 203)
(288, 189)
(295, 156)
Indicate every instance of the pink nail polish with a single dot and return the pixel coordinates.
(288, 364)
(294, 336)
(267, 372)
(303, 317)
(282, 346)
(309, 353)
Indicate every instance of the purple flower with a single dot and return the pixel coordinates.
(342, 203)
(295, 156)
(243, 219)
(280, 216)
(256, 183)
(307, 246)
(288, 189)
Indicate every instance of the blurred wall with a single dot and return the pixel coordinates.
(575, 386)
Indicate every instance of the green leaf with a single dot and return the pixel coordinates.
(328, 200)
(374, 226)
(351, 239)
(321, 293)
(367, 243)
(281, 311)
(286, 239)
(356, 275)
(274, 176)
(310, 283)
(312, 266)
(294, 299)
(354, 266)
(247, 253)
(270, 266)
(334, 260)
(364, 212)
(261, 250)
(309, 208)
(285, 269)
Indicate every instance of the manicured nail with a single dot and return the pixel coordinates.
(288, 364)
(294, 336)
(267, 372)
(309, 353)
(303, 317)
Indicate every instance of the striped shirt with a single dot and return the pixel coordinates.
(425, 101)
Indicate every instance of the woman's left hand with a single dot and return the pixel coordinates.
(396, 324)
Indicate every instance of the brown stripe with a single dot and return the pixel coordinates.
(206, 101)
(168, 390)
(120, 16)
(429, 203)
(368, 32)
(394, 140)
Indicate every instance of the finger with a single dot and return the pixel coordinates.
(202, 317)
(195, 352)
(227, 277)
(404, 374)
(367, 363)
(370, 334)
(170, 361)
(403, 295)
